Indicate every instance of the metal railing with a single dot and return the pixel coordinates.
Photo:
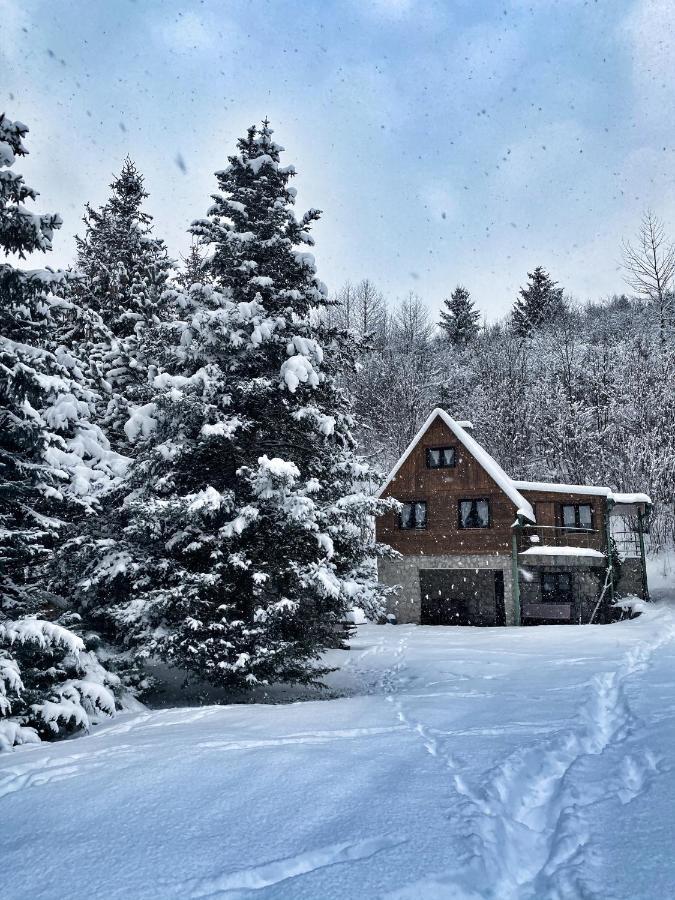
(532, 536)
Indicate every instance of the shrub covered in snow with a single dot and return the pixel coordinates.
(49, 685)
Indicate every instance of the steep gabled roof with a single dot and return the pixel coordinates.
(491, 466)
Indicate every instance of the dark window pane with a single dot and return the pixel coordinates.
(448, 456)
(433, 459)
(420, 515)
(407, 515)
(474, 514)
(483, 513)
(585, 516)
(565, 582)
(414, 515)
(569, 518)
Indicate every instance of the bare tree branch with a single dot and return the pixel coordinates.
(649, 266)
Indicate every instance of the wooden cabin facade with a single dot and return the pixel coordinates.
(478, 548)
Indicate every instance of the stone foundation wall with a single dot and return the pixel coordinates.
(406, 602)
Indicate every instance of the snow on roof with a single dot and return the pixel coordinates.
(560, 551)
(491, 466)
(510, 487)
(591, 490)
(632, 499)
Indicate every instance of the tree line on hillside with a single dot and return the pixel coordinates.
(178, 476)
(556, 390)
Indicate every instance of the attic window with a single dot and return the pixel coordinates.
(474, 513)
(413, 515)
(440, 457)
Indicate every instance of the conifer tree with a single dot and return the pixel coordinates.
(460, 319)
(123, 273)
(194, 270)
(243, 533)
(539, 303)
(53, 461)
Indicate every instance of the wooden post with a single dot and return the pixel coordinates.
(608, 541)
(515, 586)
(643, 558)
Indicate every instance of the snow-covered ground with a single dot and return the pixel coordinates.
(460, 763)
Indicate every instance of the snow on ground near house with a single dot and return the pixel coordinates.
(461, 763)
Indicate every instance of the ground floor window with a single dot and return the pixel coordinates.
(414, 514)
(556, 587)
(474, 513)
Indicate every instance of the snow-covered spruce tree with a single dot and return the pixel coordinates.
(460, 320)
(244, 533)
(53, 462)
(123, 271)
(194, 269)
(539, 303)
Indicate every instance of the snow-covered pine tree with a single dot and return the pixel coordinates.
(460, 320)
(539, 303)
(245, 532)
(123, 271)
(53, 461)
(194, 269)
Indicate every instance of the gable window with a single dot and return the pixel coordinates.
(413, 515)
(577, 515)
(474, 513)
(556, 587)
(440, 457)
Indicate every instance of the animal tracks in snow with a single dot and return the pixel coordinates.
(311, 737)
(528, 836)
(253, 879)
(36, 774)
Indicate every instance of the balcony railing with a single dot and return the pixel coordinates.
(550, 536)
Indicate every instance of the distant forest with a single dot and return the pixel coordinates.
(556, 390)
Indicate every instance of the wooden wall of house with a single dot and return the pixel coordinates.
(442, 489)
(548, 512)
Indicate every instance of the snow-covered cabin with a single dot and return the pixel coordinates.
(479, 548)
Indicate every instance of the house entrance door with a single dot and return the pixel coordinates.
(461, 596)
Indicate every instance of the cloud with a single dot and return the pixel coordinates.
(189, 32)
(649, 31)
(15, 24)
(389, 9)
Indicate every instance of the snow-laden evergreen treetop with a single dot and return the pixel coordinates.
(460, 320)
(244, 531)
(122, 273)
(539, 304)
(54, 464)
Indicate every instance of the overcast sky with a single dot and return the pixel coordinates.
(446, 141)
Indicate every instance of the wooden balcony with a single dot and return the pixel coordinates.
(555, 545)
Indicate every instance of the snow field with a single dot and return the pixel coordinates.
(459, 763)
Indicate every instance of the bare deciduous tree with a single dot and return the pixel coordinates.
(362, 308)
(413, 328)
(650, 267)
